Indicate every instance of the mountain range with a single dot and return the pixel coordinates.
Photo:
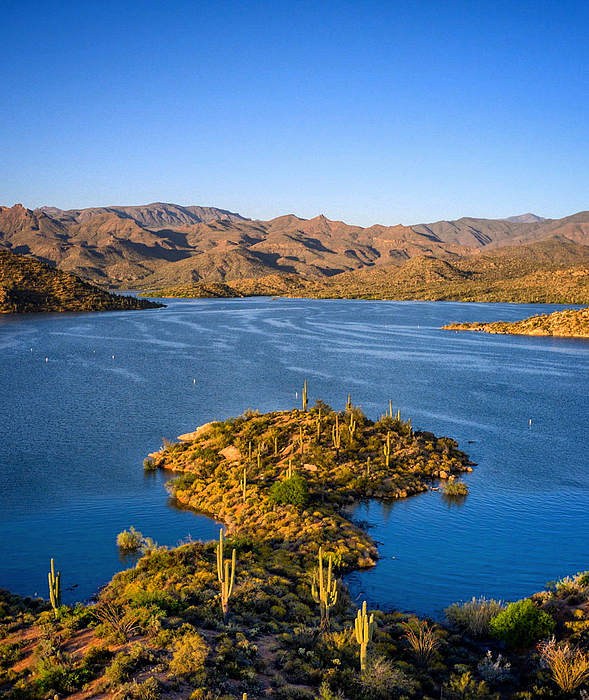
(160, 244)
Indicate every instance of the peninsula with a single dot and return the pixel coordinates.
(263, 612)
(572, 323)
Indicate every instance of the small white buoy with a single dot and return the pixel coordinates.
(194, 381)
(113, 357)
(530, 422)
(46, 359)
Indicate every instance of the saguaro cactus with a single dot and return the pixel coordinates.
(244, 483)
(364, 628)
(336, 436)
(368, 467)
(226, 576)
(301, 439)
(305, 396)
(349, 403)
(54, 588)
(387, 450)
(324, 589)
(289, 470)
(318, 425)
(352, 427)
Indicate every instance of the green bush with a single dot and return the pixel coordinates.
(9, 653)
(455, 489)
(521, 624)
(126, 663)
(129, 540)
(189, 654)
(291, 491)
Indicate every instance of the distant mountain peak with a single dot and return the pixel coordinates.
(528, 218)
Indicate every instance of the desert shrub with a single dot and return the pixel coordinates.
(150, 689)
(291, 491)
(206, 454)
(125, 663)
(455, 489)
(497, 671)
(236, 658)
(381, 679)
(129, 540)
(58, 674)
(326, 693)
(156, 599)
(188, 655)
(521, 624)
(292, 692)
(569, 664)
(149, 464)
(474, 615)
(172, 447)
(465, 686)
(9, 653)
(117, 623)
(573, 587)
(182, 483)
(423, 641)
(97, 656)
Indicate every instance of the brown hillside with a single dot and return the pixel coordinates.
(28, 285)
(164, 244)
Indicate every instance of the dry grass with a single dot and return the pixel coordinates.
(568, 663)
(423, 640)
(474, 615)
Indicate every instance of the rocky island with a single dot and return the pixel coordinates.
(572, 323)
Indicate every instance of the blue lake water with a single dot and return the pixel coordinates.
(85, 397)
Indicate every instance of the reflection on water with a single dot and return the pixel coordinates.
(77, 427)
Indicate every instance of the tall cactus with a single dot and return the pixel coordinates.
(364, 628)
(301, 439)
(244, 484)
(276, 444)
(336, 436)
(226, 576)
(324, 589)
(352, 426)
(305, 396)
(391, 408)
(54, 588)
(289, 470)
(349, 403)
(368, 467)
(318, 425)
(387, 450)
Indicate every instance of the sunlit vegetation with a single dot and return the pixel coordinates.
(264, 610)
(571, 322)
(28, 285)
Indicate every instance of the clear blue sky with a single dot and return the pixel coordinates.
(364, 111)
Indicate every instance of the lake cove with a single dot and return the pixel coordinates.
(77, 427)
(262, 613)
